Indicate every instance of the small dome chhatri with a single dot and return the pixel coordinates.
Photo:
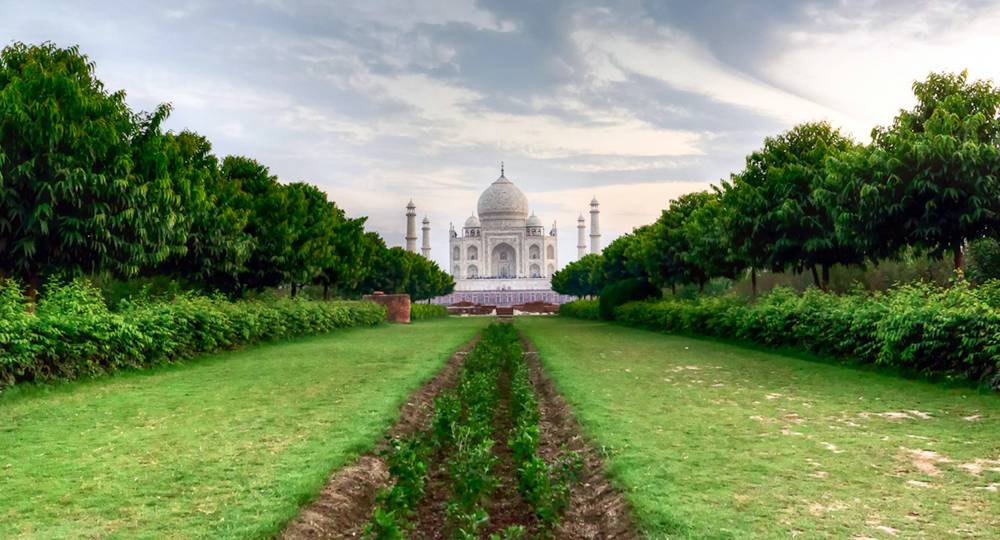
(534, 221)
(472, 222)
(503, 200)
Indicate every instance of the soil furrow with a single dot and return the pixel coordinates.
(345, 505)
(596, 509)
(507, 507)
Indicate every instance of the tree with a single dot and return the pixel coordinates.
(619, 259)
(267, 221)
(218, 245)
(71, 196)
(929, 180)
(350, 262)
(310, 224)
(709, 252)
(580, 278)
(666, 253)
(778, 220)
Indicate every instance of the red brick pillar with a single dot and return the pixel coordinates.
(397, 306)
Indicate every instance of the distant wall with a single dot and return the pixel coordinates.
(397, 306)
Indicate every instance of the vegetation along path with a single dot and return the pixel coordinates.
(712, 440)
(486, 449)
(224, 446)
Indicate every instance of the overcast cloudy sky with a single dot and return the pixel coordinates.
(636, 102)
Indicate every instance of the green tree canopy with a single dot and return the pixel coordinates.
(583, 277)
(775, 218)
(83, 179)
(929, 180)
(218, 245)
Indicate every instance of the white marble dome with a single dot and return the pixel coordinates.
(534, 221)
(472, 222)
(503, 200)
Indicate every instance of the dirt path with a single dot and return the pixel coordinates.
(345, 504)
(596, 509)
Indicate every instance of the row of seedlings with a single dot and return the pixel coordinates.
(461, 436)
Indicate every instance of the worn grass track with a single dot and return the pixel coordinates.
(225, 446)
(712, 440)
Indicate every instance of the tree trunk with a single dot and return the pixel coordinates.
(326, 291)
(753, 283)
(701, 286)
(826, 277)
(32, 291)
(959, 257)
(673, 289)
(816, 277)
(295, 289)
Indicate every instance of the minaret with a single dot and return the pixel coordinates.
(411, 227)
(425, 247)
(595, 227)
(581, 242)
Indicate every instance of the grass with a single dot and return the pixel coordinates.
(714, 440)
(225, 446)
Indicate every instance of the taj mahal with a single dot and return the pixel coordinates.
(503, 256)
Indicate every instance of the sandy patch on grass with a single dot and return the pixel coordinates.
(887, 529)
(976, 468)
(794, 418)
(772, 396)
(926, 461)
(919, 483)
(820, 509)
(895, 415)
(972, 418)
(832, 447)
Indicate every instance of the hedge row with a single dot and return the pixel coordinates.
(72, 333)
(581, 309)
(419, 312)
(953, 331)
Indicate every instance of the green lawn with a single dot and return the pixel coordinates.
(712, 440)
(227, 445)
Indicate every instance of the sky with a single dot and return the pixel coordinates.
(635, 102)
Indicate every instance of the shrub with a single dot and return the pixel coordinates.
(953, 331)
(73, 333)
(419, 312)
(623, 291)
(580, 309)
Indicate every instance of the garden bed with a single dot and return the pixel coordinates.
(487, 447)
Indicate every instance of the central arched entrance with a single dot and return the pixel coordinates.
(504, 261)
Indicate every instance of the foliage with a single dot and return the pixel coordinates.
(581, 309)
(623, 291)
(984, 260)
(461, 436)
(544, 486)
(83, 183)
(583, 277)
(73, 333)
(90, 187)
(929, 180)
(776, 220)
(951, 331)
(218, 244)
(419, 312)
